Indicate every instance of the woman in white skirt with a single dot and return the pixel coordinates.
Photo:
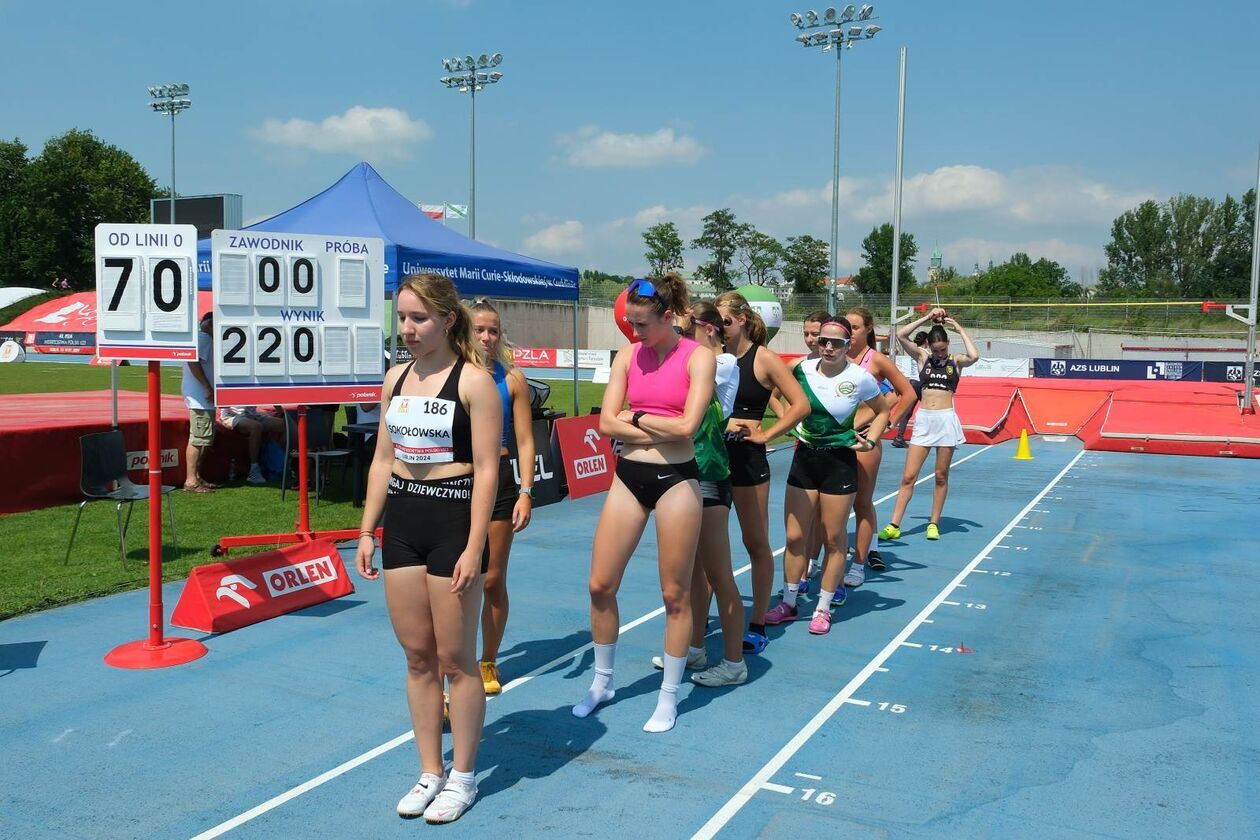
(936, 424)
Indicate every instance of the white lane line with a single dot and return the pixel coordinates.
(808, 776)
(58, 739)
(750, 788)
(951, 603)
(857, 702)
(347, 766)
(882, 670)
(928, 621)
(773, 788)
(912, 644)
(119, 737)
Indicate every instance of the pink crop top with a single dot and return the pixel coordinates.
(660, 389)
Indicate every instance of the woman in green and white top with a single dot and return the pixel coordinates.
(823, 478)
(712, 570)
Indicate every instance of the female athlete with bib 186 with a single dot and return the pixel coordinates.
(936, 424)
(668, 386)
(824, 475)
(434, 477)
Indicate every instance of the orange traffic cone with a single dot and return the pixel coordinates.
(1023, 453)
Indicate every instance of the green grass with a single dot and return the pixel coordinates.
(35, 576)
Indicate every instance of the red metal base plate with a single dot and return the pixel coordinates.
(141, 654)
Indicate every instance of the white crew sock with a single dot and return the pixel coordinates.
(824, 601)
(601, 687)
(666, 713)
(789, 594)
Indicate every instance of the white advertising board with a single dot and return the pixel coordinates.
(146, 292)
(297, 318)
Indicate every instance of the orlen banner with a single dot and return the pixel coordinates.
(587, 455)
(219, 597)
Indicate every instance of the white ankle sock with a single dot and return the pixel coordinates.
(469, 778)
(824, 600)
(789, 594)
(666, 713)
(601, 687)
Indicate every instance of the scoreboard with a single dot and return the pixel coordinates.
(297, 318)
(146, 292)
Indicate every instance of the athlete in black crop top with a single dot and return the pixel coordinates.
(433, 479)
(760, 371)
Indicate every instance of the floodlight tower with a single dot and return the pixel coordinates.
(469, 75)
(835, 31)
(170, 99)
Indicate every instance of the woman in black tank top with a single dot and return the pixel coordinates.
(434, 477)
(760, 371)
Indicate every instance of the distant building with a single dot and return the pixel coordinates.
(934, 267)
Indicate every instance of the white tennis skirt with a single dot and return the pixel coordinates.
(937, 427)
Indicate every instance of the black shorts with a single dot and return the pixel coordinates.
(427, 524)
(832, 470)
(749, 465)
(505, 497)
(648, 482)
(716, 493)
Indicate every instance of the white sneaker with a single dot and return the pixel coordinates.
(451, 803)
(255, 476)
(695, 661)
(856, 576)
(419, 797)
(723, 673)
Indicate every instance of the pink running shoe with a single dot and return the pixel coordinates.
(780, 613)
(820, 624)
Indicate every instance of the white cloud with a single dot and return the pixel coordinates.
(381, 132)
(562, 238)
(1048, 195)
(591, 147)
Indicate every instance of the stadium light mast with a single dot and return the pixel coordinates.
(170, 99)
(835, 31)
(469, 75)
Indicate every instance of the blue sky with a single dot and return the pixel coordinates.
(1030, 126)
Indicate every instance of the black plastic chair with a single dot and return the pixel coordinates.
(319, 446)
(539, 392)
(103, 477)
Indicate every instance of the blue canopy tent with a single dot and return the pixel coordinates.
(363, 204)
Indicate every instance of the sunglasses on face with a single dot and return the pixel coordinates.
(828, 341)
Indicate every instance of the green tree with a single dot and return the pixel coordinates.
(1021, 277)
(1192, 233)
(805, 264)
(875, 277)
(664, 248)
(1229, 275)
(1137, 255)
(597, 285)
(758, 254)
(719, 237)
(76, 183)
(13, 208)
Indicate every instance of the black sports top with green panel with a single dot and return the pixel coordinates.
(430, 430)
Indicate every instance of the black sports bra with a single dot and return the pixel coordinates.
(942, 377)
(752, 397)
(430, 430)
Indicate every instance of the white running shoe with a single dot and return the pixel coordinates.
(419, 797)
(255, 476)
(723, 673)
(695, 661)
(856, 576)
(451, 803)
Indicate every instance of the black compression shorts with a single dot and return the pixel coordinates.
(427, 524)
(832, 470)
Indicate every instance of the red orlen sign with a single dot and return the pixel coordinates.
(534, 356)
(219, 597)
(587, 455)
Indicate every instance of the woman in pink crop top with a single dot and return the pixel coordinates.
(668, 387)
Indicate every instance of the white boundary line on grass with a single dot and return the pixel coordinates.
(346, 766)
(733, 805)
